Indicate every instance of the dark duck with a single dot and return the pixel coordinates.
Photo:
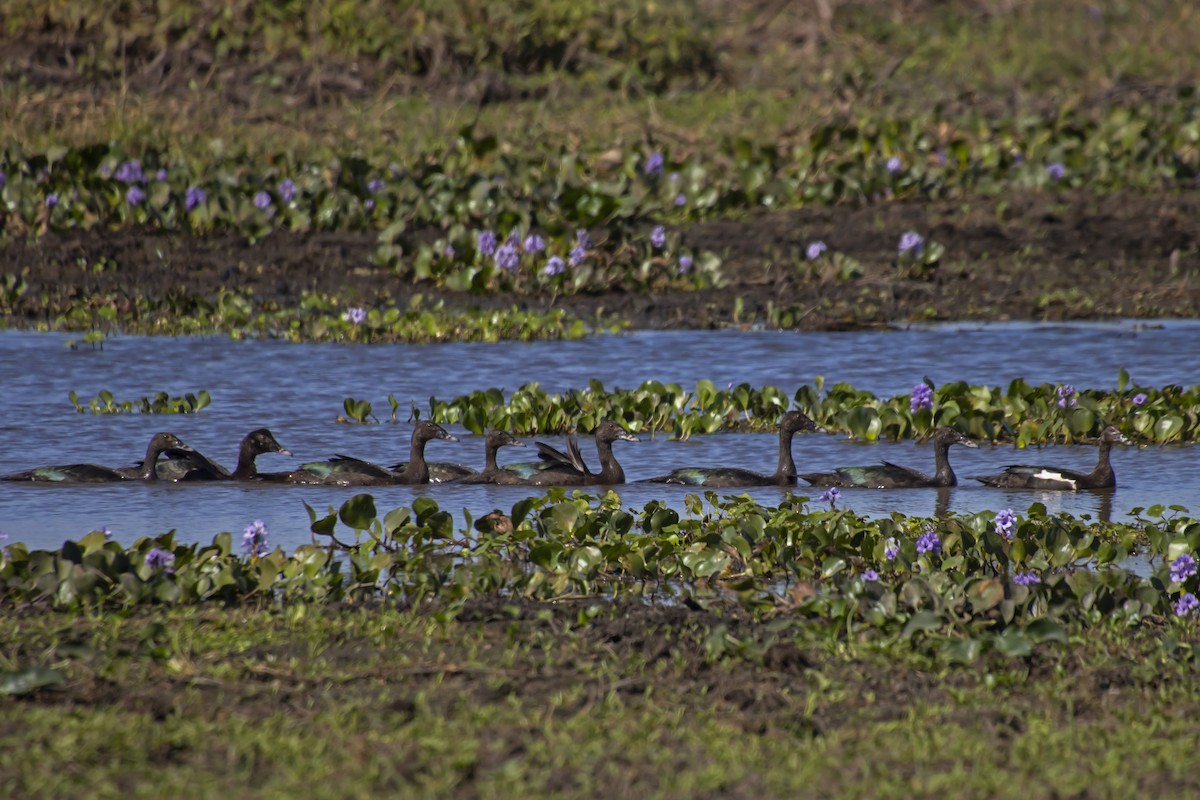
(568, 469)
(350, 471)
(1026, 476)
(180, 465)
(886, 475)
(94, 473)
(792, 423)
(491, 472)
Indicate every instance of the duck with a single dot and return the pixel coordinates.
(785, 473)
(491, 473)
(568, 469)
(1025, 476)
(181, 465)
(349, 471)
(95, 473)
(886, 475)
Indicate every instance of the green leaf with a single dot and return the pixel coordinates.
(923, 621)
(1046, 630)
(358, 512)
(1013, 644)
(30, 679)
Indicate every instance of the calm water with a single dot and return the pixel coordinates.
(297, 390)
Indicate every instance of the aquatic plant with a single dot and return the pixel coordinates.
(161, 403)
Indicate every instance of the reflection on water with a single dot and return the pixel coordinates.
(297, 390)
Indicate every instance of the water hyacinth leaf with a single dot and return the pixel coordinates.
(1046, 630)
(1013, 643)
(358, 512)
(921, 622)
(962, 651)
(322, 527)
(1168, 428)
(1081, 421)
(28, 680)
(986, 595)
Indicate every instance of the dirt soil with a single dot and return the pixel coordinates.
(1034, 256)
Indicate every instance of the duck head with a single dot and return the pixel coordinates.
(945, 435)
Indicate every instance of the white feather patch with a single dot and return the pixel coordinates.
(1051, 475)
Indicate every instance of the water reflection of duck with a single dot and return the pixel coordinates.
(350, 471)
(1025, 476)
(191, 465)
(886, 475)
(442, 472)
(568, 469)
(94, 473)
(785, 473)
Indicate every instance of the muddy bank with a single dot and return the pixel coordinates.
(1055, 255)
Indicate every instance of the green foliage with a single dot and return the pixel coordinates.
(1021, 413)
(161, 403)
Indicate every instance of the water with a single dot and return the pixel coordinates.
(297, 390)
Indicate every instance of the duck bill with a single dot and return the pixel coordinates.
(628, 437)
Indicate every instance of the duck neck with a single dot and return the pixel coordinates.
(786, 471)
(1102, 475)
(149, 473)
(417, 470)
(246, 468)
(610, 470)
(489, 458)
(943, 475)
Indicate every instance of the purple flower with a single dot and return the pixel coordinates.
(921, 397)
(485, 242)
(1140, 399)
(1026, 578)
(681, 199)
(654, 164)
(815, 250)
(1183, 568)
(52, 200)
(158, 558)
(262, 200)
(131, 172)
(1056, 171)
(254, 539)
(533, 244)
(583, 238)
(134, 196)
(658, 237)
(1006, 522)
(507, 256)
(355, 316)
(1186, 604)
(894, 165)
(1066, 395)
(685, 265)
(161, 176)
(554, 266)
(194, 196)
(891, 548)
(830, 496)
(577, 255)
(912, 244)
(870, 576)
(929, 543)
(287, 190)
(376, 185)
(939, 158)
(3, 179)
(369, 205)
(448, 250)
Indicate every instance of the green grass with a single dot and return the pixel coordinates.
(353, 702)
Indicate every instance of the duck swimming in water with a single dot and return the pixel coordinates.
(94, 473)
(1025, 476)
(886, 475)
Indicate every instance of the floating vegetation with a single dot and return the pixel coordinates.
(960, 585)
(1021, 413)
(160, 403)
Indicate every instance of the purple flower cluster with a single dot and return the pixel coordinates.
(921, 397)
(579, 252)
(1066, 396)
(376, 185)
(815, 250)
(161, 176)
(1183, 568)
(1026, 578)
(912, 244)
(658, 237)
(355, 316)
(654, 164)
(870, 576)
(134, 196)
(195, 196)
(262, 200)
(891, 548)
(554, 266)
(254, 539)
(894, 165)
(158, 558)
(929, 543)
(287, 190)
(1056, 171)
(681, 199)
(1006, 523)
(1186, 604)
(533, 244)
(507, 257)
(131, 172)
(685, 265)
(52, 200)
(486, 243)
(830, 496)
(1140, 399)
